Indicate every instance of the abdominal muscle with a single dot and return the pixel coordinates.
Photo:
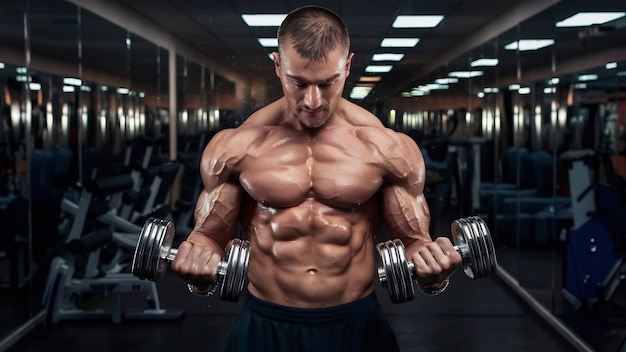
(311, 255)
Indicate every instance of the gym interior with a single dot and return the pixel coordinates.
(519, 110)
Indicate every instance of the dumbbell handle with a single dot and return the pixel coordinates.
(462, 249)
(172, 252)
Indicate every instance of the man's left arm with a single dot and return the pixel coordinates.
(407, 216)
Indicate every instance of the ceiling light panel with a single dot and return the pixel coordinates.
(484, 62)
(263, 20)
(465, 74)
(378, 68)
(588, 77)
(269, 42)
(417, 21)
(583, 19)
(370, 79)
(387, 57)
(399, 42)
(529, 44)
(359, 92)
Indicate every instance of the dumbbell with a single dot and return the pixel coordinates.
(472, 241)
(154, 252)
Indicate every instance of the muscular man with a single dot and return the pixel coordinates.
(311, 178)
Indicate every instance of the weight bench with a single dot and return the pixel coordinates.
(66, 285)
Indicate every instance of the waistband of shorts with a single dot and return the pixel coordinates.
(344, 312)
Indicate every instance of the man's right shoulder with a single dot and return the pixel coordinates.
(240, 136)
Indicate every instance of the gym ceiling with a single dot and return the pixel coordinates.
(471, 29)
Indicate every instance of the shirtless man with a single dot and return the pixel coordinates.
(311, 178)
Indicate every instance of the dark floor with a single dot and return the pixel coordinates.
(472, 315)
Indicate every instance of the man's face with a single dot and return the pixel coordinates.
(312, 89)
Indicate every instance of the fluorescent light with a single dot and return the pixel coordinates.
(549, 90)
(359, 92)
(1, 65)
(370, 78)
(387, 57)
(621, 74)
(104, 88)
(491, 90)
(72, 81)
(399, 42)
(418, 93)
(68, 89)
(484, 62)
(406, 94)
(481, 95)
(580, 85)
(589, 18)
(529, 44)
(554, 81)
(21, 70)
(611, 65)
(265, 20)
(465, 74)
(588, 77)
(271, 56)
(21, 78)
(85, 88)
(268, 42)
(34, 86)
(524, 90)
(514, 87)
(433, 86)
(447, 80)
(417, 21)
(123, 90)
(378, 68)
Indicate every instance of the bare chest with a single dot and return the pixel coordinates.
(335, 169)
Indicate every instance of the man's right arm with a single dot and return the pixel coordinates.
(216, 215)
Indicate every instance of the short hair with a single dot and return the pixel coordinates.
(314, 32)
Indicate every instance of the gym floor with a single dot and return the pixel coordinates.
(472, 315)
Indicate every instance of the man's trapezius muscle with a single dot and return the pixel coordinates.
(310, 202)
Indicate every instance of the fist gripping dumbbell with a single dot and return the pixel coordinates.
(154, 252)
(472, 241)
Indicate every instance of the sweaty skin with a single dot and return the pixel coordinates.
(311, 186)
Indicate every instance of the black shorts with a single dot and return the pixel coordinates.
(358, 326)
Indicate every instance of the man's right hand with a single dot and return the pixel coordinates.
(196, 264)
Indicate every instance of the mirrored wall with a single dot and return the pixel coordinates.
(545, 148)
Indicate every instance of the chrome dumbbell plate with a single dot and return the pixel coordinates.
(472, 240)
(234, 271)
(154, 252)
(396, 272)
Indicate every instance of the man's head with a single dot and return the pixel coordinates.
(313, 31)
(313, 62)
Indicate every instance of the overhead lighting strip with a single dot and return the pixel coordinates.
(399, 42)
(387, 57)
(583, 19)
(417, 21)
(529, 44)
(263, 20)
